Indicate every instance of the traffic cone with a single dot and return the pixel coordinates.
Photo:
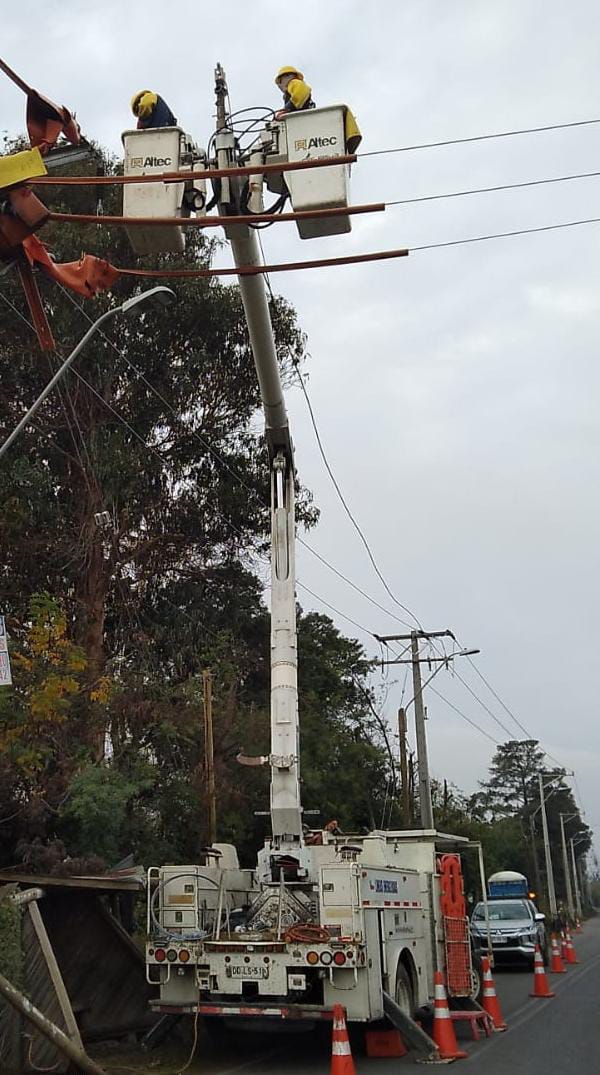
(540, 982)
(578, 927)
(341, 1056)
(556, 964)
(490, 1002)
(563, 946)
(443, 1028)
(571, 953)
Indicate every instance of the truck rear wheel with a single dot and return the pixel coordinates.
(403, 993)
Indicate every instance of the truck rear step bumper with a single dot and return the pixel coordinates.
(291, 1011)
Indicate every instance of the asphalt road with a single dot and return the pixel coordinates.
(559, 1036)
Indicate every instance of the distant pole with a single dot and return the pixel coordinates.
(209, 757)
(421, 738)
(406, 799)
(534, 855)
(569, 890)
(549, 870)
(575, 878)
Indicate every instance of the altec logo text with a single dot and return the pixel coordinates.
(150, 162)
(315, 143)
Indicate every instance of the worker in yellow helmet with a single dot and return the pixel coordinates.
(151, 110)
(297, 96)
(296, 92)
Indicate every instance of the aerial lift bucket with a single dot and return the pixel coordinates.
(318, 132)
(152, 152)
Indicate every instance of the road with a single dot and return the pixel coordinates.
(560, 1036)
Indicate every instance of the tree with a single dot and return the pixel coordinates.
(43, 725)
(512, 785)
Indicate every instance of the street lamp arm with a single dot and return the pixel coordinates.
(57, 376)
(162, 294)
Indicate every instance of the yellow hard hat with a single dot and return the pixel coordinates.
(288, 71)
(143, 102)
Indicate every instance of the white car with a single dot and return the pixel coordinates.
(516, 926)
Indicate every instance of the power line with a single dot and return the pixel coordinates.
(490, 190)
(345, 505)
(504, 234)
(480, 138)
(159, 456)
(499, 699)
(235, 473)
(361, 626)
(483, 705)
(464, 716)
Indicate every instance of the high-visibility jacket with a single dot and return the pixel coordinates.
(352, 134)
(160, 116)
(297, 96)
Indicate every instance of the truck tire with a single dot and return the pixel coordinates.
(403, 993)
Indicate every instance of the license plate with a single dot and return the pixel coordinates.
(247, 972)
(499, 940)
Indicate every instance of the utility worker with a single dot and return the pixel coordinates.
(151, 110)
(297, 97)
(296, 92)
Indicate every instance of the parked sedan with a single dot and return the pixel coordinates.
(516, 926)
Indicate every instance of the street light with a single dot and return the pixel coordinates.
(162, 295)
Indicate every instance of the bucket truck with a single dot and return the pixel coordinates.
(324, 918)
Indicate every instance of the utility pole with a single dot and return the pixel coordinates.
(549, 870)
(534, 855)
(425, 804)
(569, 890)
(575, 878)
(209, 756)
(406, 797)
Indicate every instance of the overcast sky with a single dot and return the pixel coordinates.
(456, 390)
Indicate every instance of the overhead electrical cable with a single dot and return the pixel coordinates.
(345, 503)
(157, 454)
(499, 699)
(232, 470)
(464, 716)
(474, 695)
(491, 190)
(503, 235)
(479, 138)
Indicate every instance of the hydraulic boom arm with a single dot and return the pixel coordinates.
(286, 811)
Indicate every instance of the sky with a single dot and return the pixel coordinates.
(455, 390)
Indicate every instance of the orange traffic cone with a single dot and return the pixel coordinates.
(556, 964)
(571, 953)
(490, 1002)
(578, 927)
(563, 946)
(443, 1027)
(341, 1056)
(540, 982)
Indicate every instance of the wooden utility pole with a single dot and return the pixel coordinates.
(209, 757)
(425, 804)
(421, 738)
(405, 793)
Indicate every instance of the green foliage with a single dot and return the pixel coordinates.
(11, 957)
(513, 782)
(95, 815)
